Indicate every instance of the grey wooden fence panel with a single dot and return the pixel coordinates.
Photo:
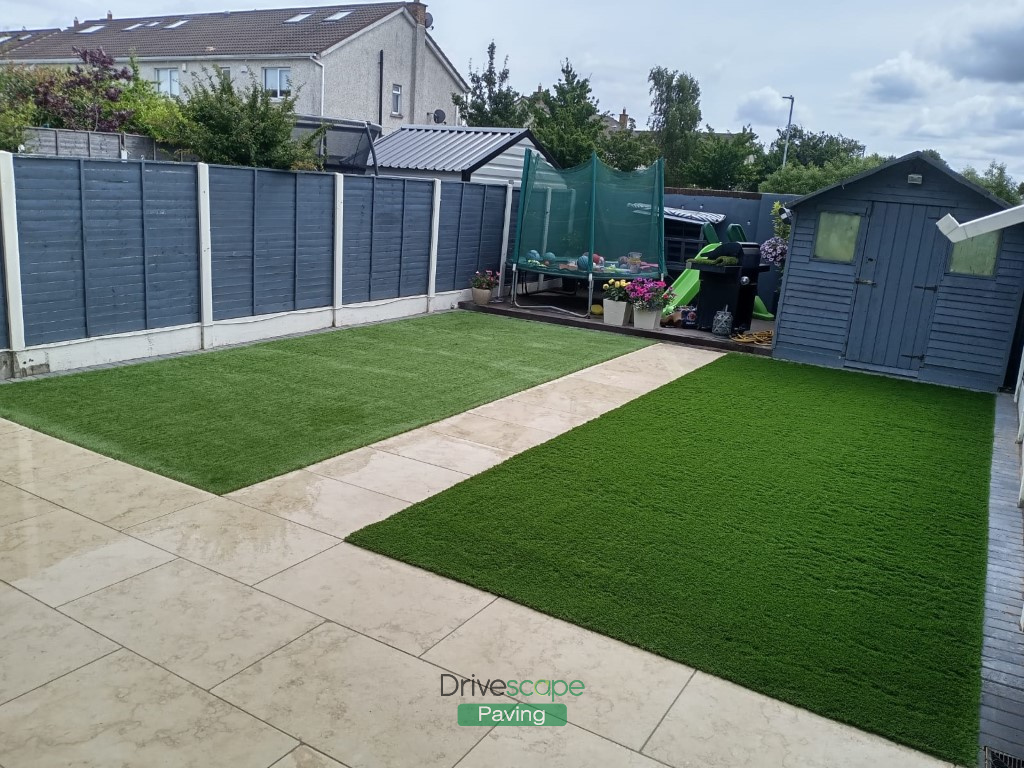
(419, 196)
(448, 234)
(274, 256)
(115, 275)
(232, 201)
(172, 244)
(467, 260)
(315, 257)
(50, 237)
(493, 224)
(386, 249)
(358, 239)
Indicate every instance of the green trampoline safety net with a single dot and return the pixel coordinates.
(567, 215)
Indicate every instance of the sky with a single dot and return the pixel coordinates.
(897, 75)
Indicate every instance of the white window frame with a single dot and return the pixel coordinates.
(272, 75)
(396, 100)
(172, 87)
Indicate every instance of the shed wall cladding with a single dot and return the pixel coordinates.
(106, 247)
(964, 340)
(387, 238)
(471, 223)
(272, 239)
(5, 339)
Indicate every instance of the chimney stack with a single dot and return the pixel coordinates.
(76, 22)
(110, 16)
(624, 119)
(419, 12)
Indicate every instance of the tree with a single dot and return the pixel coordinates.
(626, 149)
(17, 102)
(565, 118)
(996, 180)
(675, 118)
(220, 124)
(492, 101)
(812, 149)
(724, 160)
(86, 98)
(799, 179)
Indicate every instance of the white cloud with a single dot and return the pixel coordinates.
(981, 42)
(899, 80)
(764, 106)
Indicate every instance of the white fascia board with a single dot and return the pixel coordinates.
(958, 232)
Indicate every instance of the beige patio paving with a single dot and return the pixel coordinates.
(146, 623)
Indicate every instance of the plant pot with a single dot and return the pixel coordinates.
(646, 319)
(482, 296)
(617, 312)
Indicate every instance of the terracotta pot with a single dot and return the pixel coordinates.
(482, 296)
(617, 312)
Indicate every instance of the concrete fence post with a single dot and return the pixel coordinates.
(339, 244)
(205, 254)
(505, 235)
(435, 230)
(11, 253)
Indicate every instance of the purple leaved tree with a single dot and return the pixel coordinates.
(88, 97)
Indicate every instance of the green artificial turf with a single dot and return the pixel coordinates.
(816, 535)
(224, 420)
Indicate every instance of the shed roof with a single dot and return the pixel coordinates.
(913, 156)
(448, 148)
(228, 33)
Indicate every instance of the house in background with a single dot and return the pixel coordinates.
(373, 62)
(872, 284)
(450, 153)
(13, 39)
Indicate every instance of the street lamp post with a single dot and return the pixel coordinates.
(789, 126)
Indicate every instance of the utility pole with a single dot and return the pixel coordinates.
(789, 127)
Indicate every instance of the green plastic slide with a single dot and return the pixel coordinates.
(684, 289)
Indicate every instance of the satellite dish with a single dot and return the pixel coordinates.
(429, 21)
(439, 116)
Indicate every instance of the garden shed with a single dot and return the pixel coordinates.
(872, 284)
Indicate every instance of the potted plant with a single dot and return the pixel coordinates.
(483, 284)
(775, 249)
(649, 298)
(618, 308)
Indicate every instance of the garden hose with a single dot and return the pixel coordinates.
(759, 338)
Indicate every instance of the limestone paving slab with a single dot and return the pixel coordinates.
(127, 712)
(716, 724)
(117, 494)
(319, 502)
(233, 539)
(38, 644)
(487, 431)
(627, 690)
(577, 396)
(530, 415)
(198, 624)
(60, 556)
(397, 476)
(398, 604)
(304, 757)
(553, 747)
(17, 505)
(29, 456)
(444, 451)
(356, 700)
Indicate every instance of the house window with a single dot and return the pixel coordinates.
(837, 237)
(167, 81)
(278, 81)
(976, 255)
(396, 100)
(226, 71)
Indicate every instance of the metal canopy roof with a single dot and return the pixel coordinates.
(447, 148)
(681, 214)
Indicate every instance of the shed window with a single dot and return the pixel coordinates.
(837, 237)
(976, 255)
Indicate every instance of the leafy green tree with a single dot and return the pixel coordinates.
(725, 160)
(996, 180)
(626, 149)
(219, 124)
(17, 102)
(565, 118)
(812, 149)
(88, 97)
(799, 179)
(675, 119)
(153, 113)
(492, 101)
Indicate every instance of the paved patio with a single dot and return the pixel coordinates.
(148, 623)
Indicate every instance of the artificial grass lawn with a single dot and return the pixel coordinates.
(224, 420)
(826, 546)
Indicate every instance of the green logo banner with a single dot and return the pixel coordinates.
(512, 714)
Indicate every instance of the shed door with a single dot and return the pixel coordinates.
(899, 269)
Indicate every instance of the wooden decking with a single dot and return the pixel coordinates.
(1002, 658)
